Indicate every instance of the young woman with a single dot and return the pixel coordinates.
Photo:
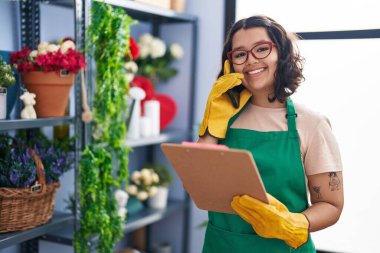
(249, 107)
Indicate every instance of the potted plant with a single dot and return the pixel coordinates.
(29, 178)
(6, 79)
(49, 72)
(143, 184)
(160, 199)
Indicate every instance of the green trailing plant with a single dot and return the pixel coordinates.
(107, 41)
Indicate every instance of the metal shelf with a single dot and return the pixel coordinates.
(143, 218)
(148, 216)
(139, 11)
(58, 221)
(173, 135)
(145, 12)
(34, 123)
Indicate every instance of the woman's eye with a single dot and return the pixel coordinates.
(261, 49)
(239, 54)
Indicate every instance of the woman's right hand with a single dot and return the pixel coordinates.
(219, 108)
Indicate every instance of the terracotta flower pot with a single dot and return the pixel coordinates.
(52, 92)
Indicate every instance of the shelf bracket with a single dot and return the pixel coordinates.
(30, 23)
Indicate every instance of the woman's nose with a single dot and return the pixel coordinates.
(252, 58)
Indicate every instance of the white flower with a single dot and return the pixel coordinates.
(42, 51)
(67, 45)
(148, 180)
(131, 67)
(145, 39)
(122, 211)
(42, 46)
(157, 48)
(144, 51)
(146, 175)
(136, 176)
(52, 48)
(129, 77)
(153, 191)
(155, 178)
(142, 195)
(132, 189)
(176, 51)
(145, 172)
(121, 198)
(33, 54)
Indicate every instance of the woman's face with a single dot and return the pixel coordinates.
(258, 73)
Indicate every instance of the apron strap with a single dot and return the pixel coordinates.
(291, 115)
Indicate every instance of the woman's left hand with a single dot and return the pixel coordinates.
(273, 220)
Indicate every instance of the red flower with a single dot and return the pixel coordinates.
(133, 48)
(72, 61)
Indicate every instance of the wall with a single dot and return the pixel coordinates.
(9, 34)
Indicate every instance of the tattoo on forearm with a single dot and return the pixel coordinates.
(317, 190)
(334, 182)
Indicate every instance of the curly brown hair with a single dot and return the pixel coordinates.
(288, 75)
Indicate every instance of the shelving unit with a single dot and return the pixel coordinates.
(144, 218)
(168, 136)
(59, 221)
(35, 123)
(29, 15)
(60, 229)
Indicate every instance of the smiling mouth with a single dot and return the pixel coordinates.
(256, 71)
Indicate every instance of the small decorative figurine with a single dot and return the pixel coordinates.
(29, 100)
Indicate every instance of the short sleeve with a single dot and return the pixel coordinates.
(322, 152)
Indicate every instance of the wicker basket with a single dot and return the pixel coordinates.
(26, 208)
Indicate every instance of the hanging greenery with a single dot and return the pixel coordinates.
(107, 41)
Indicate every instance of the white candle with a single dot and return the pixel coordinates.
(145, 127)
(3, 103)
(152, 111)
(133, 131)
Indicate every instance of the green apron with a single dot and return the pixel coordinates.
(278, 157)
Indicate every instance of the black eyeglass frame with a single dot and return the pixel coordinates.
(271, 45)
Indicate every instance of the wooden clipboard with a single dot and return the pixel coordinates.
(213, 176)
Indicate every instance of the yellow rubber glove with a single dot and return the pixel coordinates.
(273, 220)
(219, 108)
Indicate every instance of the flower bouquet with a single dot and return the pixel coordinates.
(29, 179)
(143, 184)
(49, 72)
(152, 184)
(154, 59)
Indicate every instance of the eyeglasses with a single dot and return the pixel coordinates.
(260, 51)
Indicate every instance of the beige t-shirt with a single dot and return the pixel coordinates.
(319, 149)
